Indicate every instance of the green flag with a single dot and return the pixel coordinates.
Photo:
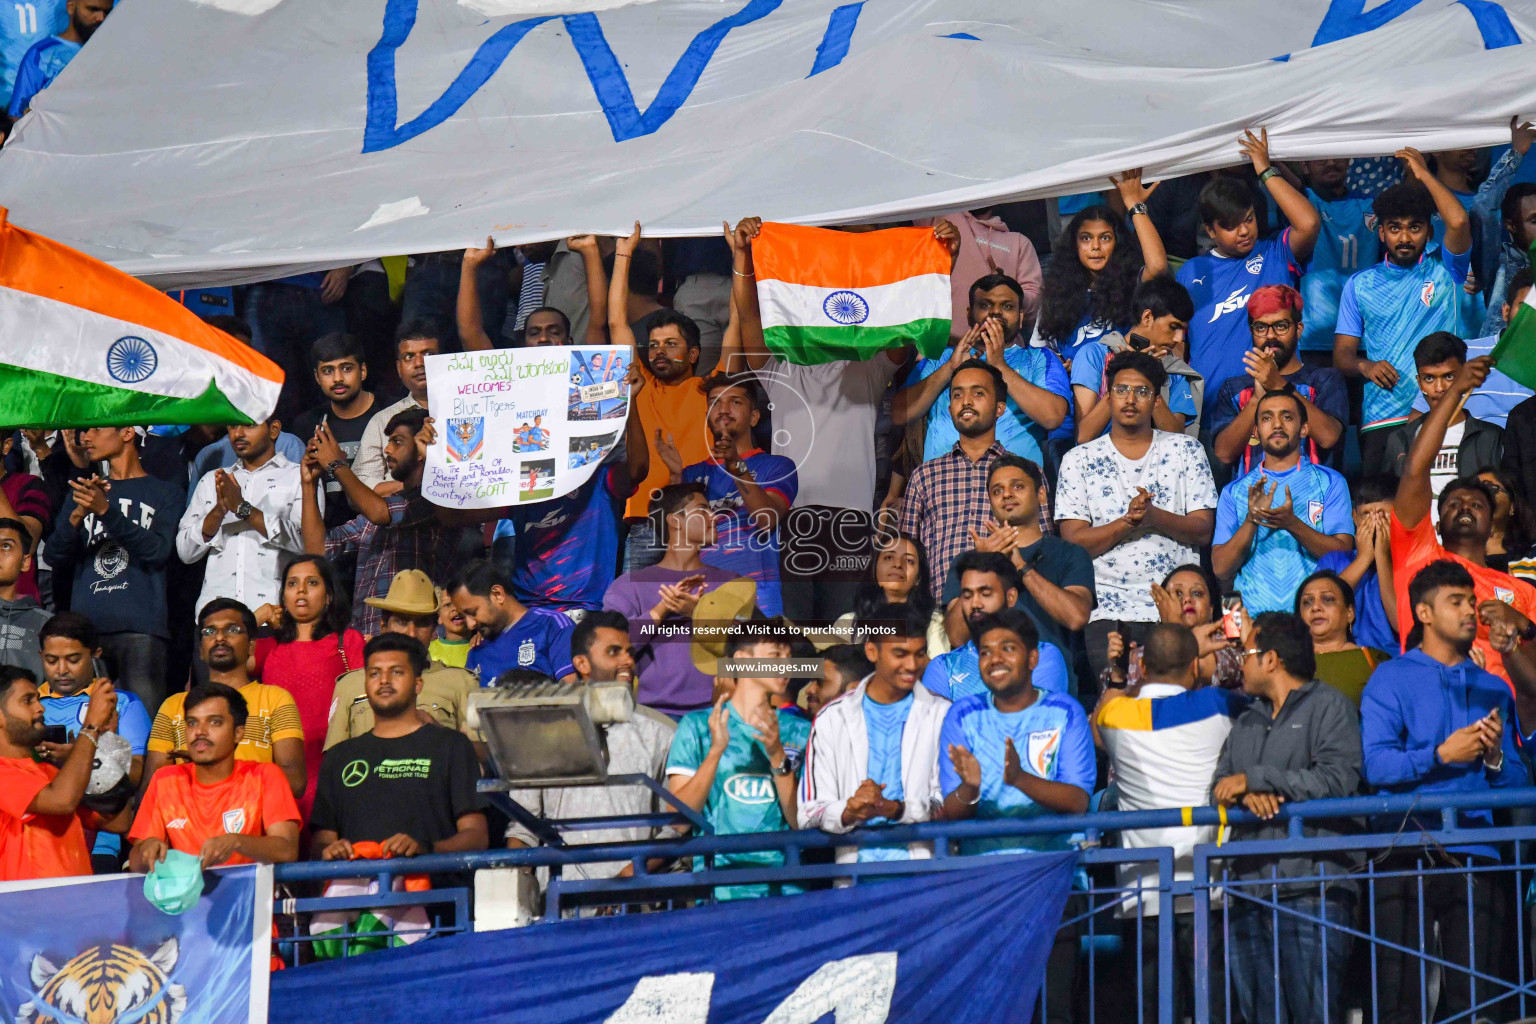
(1515, 354)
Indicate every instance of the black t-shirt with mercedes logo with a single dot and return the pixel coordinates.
(419, 784)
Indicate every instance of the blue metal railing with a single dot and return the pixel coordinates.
(1408, 822)
(1092, 826)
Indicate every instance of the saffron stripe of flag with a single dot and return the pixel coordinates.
(827, 295)
(82, 344)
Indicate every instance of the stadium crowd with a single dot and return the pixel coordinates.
(1216, 497)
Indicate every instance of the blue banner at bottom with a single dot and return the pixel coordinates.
(95, 951)
(964, 945)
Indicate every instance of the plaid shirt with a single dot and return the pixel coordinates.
(413, 540)
(945, 499)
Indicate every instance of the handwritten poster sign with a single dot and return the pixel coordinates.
(522, 425)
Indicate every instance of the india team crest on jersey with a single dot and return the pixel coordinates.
(1255, 265)
(1040, 749)
(1427, 293)
(1315, 513)
(234, 821)
(1504, 594)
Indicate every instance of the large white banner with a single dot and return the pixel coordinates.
(194, 140)
(515, 426)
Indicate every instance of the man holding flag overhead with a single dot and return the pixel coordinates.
(817, 307)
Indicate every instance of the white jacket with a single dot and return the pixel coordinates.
(837, 761)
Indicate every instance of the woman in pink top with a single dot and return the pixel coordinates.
(311, 646)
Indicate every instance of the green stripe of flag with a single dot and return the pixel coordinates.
(1515, 354)
(810, 346)
(34, 398)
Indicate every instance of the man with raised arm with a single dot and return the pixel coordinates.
(824, 422)
(42, 825)
(1387, 308)
(1221, 281)
(1466, 517)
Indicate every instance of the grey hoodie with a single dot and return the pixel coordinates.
(20, 622)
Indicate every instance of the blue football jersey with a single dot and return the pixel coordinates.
(957, 674)
(1346, 242)
(1277, 563)
(1221, 287)
(132, 725)
(39, 66)
(1390, 308)
(1015, 430)
(540, 640)
(739, 546)
(21, 26)
(567, 548)
(1053, 741)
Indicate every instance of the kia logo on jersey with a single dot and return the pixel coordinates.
(1427, 293)
(751, 789)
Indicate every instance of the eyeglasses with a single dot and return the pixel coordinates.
(208, 632)
(1141, 391)
(1260, 328)
(1248, 654)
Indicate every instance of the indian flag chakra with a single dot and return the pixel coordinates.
(827, 295)
(84, 345)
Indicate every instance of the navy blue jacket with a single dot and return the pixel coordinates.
(1410, 706)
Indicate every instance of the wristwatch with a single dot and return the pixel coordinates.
(332, 467)
(1139, 208)
(1528, 633)
(1267, 173)
(787, 768)
(243, 510)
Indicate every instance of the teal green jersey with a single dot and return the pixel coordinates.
(743, 798)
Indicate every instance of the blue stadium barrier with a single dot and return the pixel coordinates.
(1090, 934)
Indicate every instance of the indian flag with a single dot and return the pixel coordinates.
(84, 345)
(1515, 354)
(828, 295)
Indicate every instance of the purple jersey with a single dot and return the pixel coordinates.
(739, 547)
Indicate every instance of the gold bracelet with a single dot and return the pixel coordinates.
(740, 274)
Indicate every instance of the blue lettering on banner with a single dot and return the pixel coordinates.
(834, 45)
(1347, 18)
(382, 129)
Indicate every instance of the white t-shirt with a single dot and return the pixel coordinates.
(1443, 471)
(824, 420)
(1096, 484)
